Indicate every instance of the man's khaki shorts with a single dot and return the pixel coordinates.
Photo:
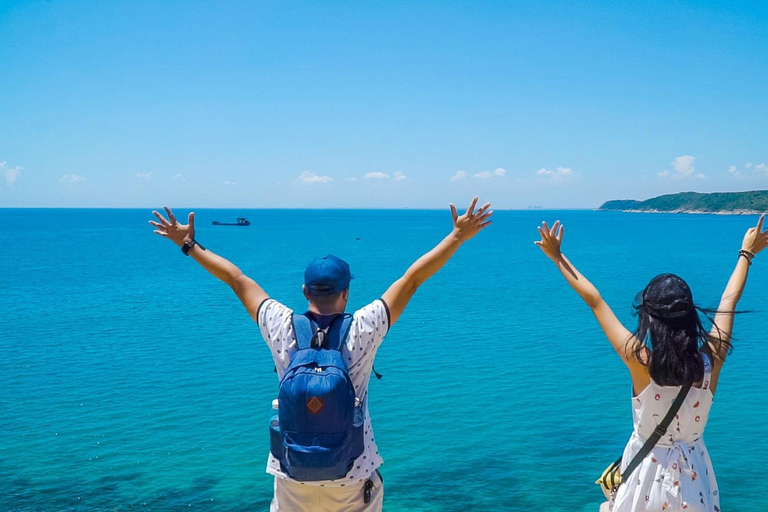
(292, 496)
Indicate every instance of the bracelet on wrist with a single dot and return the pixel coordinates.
(747, 254)
(188, 245)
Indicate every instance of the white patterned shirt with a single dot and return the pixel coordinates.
(369, 326)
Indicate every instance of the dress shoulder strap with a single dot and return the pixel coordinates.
(707, 370)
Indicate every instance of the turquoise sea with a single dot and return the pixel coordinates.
(131, 379)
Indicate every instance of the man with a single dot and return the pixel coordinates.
(326, 288)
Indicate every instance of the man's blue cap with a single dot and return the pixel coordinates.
(327, 276)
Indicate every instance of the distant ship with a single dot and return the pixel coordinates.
(241, 221)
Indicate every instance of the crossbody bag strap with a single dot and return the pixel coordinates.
(658, 432)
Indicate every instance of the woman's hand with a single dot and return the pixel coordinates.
(755, 240)
(172, 230)
(551, 240)
(468, 225)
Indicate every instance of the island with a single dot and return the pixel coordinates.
(733, 203)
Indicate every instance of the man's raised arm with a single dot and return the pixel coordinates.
(183, 235)
(464, 227)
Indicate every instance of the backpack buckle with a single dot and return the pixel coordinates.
(319, 339)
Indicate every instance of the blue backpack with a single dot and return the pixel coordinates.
(320, 430)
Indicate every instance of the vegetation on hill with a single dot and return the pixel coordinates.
(718, 202)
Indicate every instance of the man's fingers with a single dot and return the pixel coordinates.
(171, 216)
(191, 220)
(484, 207)
(454, 213)
(471, 209)
(156, 224)
(560, 233)
(486, 224)
(484, 216)
(544, 234)
(760, 223)
(545, 227)
(161, 233)
(161, 218)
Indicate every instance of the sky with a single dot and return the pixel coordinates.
(558, 104)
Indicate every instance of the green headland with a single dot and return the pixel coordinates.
(753, 201)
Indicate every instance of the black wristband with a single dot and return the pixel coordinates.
(747, 254)
(188, 245)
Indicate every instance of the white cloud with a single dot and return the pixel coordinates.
(559, 171)
(144, 175)
(350, 179)
(748, 165)
(484, 175)
(761, 167)
(683, 166)
(460, 175)
(399, 176)
(229, 183)
(180, 178)
(376, 176)
(71, 178)
(733, 171)
(311, 177)
(11, 174)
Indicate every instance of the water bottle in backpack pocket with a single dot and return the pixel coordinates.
(274, 424)
(320, 429)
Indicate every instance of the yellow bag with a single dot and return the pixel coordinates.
(610, 480)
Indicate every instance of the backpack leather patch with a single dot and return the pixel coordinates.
(315, 405)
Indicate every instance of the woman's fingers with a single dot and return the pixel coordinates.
(544, 235)
(191, 220)
(545, 229)
(760, 224)
(553, 231)
(560, 233)
(157, 225)
(161, 233)
(454, 213)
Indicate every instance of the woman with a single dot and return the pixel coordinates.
(668, 350)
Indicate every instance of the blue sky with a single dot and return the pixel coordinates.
(389, 104)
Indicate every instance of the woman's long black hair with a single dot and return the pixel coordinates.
(668, 321)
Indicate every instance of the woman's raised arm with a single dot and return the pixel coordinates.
(619, 336)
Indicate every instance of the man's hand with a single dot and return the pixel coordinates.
(468, 225)
(172, 230)
(464, 227)
(551, 239)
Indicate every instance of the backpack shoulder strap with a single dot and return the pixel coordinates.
(304, 330)
(339, 331)
(660, 430)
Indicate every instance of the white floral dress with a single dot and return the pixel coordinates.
(677, 475)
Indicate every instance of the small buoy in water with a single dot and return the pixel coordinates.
(358, 238)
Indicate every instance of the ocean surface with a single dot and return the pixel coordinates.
(132, 379)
